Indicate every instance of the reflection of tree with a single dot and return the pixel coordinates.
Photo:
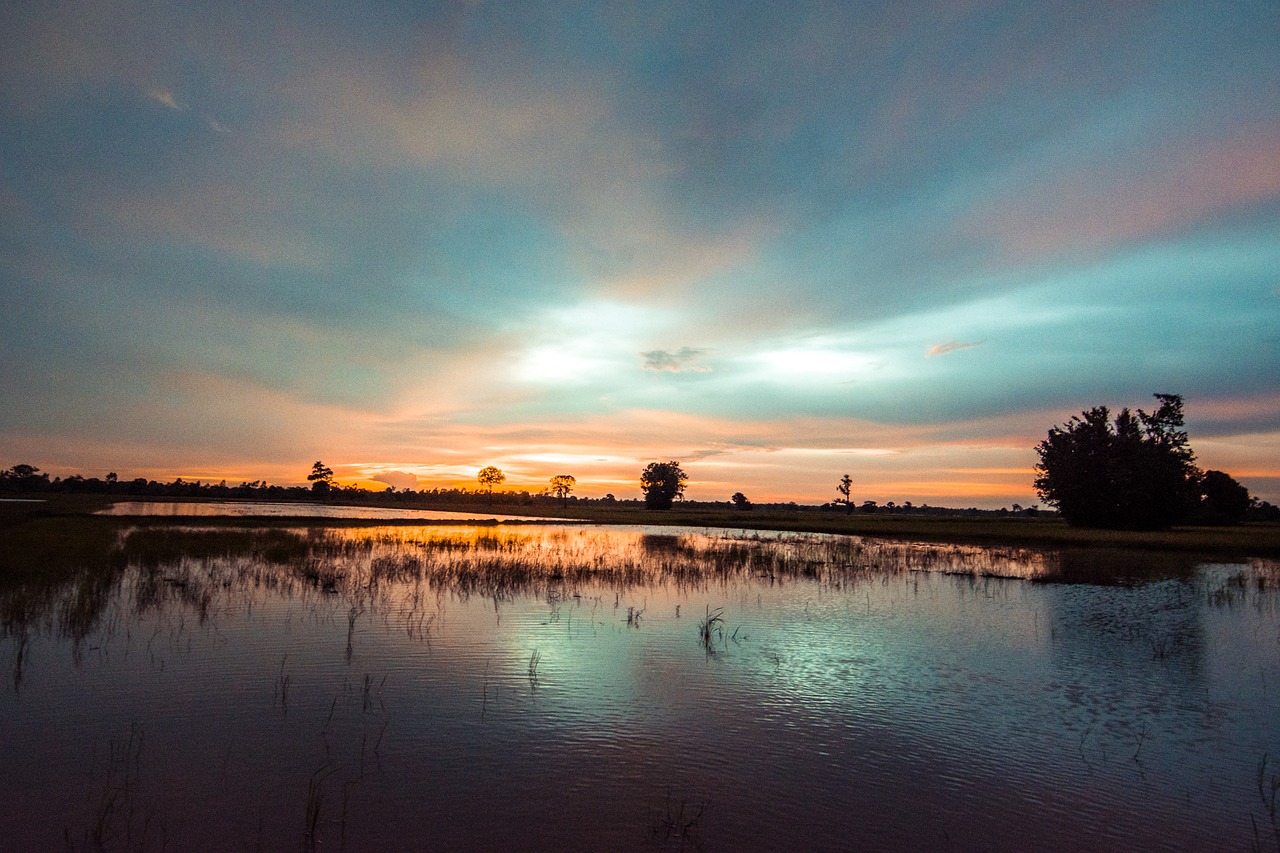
(1153, 629)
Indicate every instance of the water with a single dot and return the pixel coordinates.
(285, 509)
(552, 688)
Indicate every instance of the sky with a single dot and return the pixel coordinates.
(775, 242)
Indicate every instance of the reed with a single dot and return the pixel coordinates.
(503, 563)
(315, 803)
(711, 628)
(1268, 788)
(534, 660)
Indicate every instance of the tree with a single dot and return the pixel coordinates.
(1223, 500)
(740, 501)
(24, 478)
(489, 477)
(562, 486)
(845, 487)
(1136, 473)
(662, 483)
(321, 478)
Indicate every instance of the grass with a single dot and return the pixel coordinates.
(1268, 787)
(44, 551)
(315, 802)
(534, 660)
(712, 628)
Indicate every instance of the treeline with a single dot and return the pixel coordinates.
(29, 481)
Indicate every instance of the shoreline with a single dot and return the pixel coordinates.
(1240, 541)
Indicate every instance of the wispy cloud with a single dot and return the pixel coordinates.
(166, 99)
(215, 125)
(682, 360)
(951, 346)
(1133, 197)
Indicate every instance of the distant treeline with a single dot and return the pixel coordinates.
(28, 480)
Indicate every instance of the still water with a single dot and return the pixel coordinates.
(622, 689)
(287, 509)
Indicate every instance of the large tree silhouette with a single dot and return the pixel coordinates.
(489, 477)
(662, 483)
(562, 486)
(1225, 501)
(321, 478)
(1136, 473)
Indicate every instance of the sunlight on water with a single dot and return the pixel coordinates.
(553, 688)
(285, 509)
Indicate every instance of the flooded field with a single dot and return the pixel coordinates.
(578, 688)
(295, 509)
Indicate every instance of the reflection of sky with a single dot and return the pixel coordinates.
(268, 509)
(900, 240)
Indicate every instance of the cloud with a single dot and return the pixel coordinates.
(166, 98)
(215, 125)
(950, 346)
(680, 361)
(1146, 192)
(398, 479)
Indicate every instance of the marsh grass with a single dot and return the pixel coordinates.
(359, 565)
(1268, 788)
(679, 823)
(115, 821)
(534, 660)
(315, 804)
(711, 628)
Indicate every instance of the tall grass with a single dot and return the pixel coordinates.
(192, 564)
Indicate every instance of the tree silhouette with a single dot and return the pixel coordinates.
(845, 487)
(489, 477)
(1137, 473)
(740, 501)
(321, 478)
(662, 483)
(562, 486)
(1224, 500)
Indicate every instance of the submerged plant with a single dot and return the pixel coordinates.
(534, 660)
(711, 628)
(1268, 787)
(315, 799)
(680, 823)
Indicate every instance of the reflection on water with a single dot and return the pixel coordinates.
(551, 688)
(284, 509)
